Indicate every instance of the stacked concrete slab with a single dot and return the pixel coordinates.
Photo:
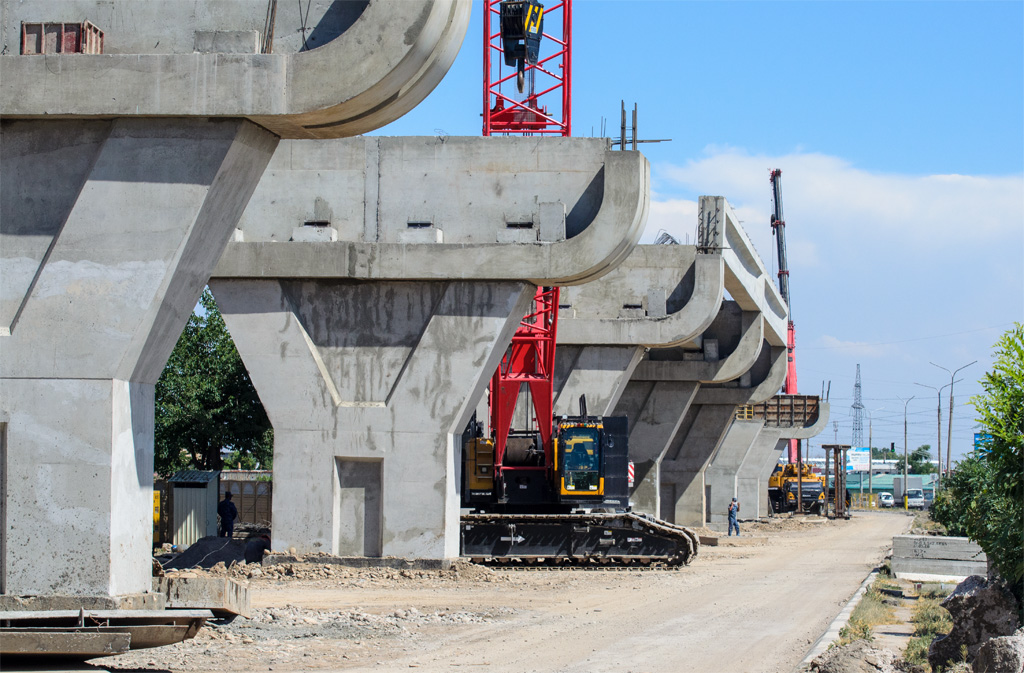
(124, 176)
(372, 289)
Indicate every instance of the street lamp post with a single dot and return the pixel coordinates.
(949, 433)
(938, 413)
(906, 463)
(871, 458)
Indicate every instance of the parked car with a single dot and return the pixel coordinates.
(915, 498)
(886, 500)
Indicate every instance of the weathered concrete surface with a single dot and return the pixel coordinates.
(440, 209)
(721, 479)
(656, 410)
(930, 557)
(368, 386)
(222, 596)
(337, 69)
(662, 295)
(108, 231)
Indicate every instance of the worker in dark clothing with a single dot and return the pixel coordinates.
(256, 547)
(734, 509)
(227, 512)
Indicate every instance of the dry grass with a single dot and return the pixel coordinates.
(930, 620)
(870, 612)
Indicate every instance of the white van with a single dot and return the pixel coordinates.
(915, 498)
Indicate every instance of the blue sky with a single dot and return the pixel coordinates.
(899, 127)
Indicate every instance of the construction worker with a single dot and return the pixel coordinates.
(227, 512)
(734, 509)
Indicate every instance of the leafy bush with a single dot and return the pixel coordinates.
(984, 497)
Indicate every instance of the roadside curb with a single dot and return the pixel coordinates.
(832, 632)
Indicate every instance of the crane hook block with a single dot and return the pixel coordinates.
(522, 24)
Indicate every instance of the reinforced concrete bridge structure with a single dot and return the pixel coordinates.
(372, 288)
(125, 174)
(656, 340)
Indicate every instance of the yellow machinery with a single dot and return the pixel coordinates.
(784, 486)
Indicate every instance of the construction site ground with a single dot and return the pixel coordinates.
(753, 604)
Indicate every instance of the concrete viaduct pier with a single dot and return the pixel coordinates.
(657, 341)
(371, 323)
(125, 174)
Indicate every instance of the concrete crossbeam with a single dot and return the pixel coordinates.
(372, 62)
(442, 208)
(108, 231)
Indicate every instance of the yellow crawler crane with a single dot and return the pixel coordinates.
(786, 484)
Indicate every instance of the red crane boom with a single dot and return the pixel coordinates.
(779, 230)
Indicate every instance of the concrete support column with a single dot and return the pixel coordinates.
(721, 480)
(369, 386)
(108, 232)
(655, 410)
(682, 470)
(599, 372)
(760, 463)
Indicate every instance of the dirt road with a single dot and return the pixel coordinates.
(752, 608)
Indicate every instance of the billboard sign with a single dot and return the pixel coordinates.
(858, 459)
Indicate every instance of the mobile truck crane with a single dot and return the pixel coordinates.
(786, 489)
(557, 492)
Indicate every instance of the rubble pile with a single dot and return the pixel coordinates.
(981, 609)
(857, 657)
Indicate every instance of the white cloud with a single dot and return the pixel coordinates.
(824, 196)
(855, 349)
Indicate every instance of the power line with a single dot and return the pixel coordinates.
(903, 341)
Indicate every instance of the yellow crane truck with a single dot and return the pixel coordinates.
(787, 482)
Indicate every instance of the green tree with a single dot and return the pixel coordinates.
(920, 460)
(883, 454)
(984, 497)
(205, 402)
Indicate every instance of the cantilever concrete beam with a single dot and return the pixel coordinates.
(663, 295)
(373, 62)
(573, 208)
(659, 295)
(370, 352)
(747, 279)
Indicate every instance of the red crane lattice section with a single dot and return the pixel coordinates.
(545, 108)
(529, 359)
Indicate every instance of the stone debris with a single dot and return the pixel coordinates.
(857, 657)
(981, 609)
(1004, 654)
